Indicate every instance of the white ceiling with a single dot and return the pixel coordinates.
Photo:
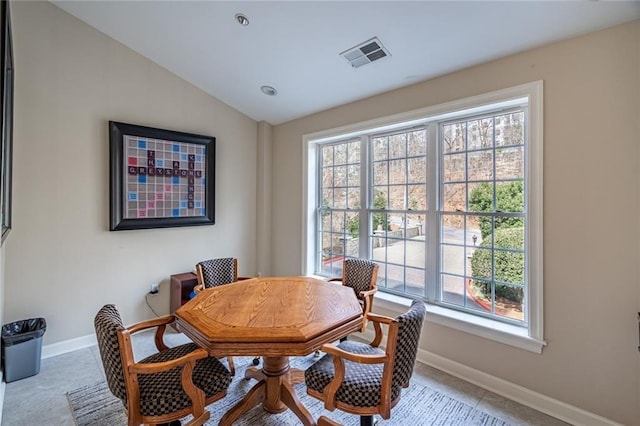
(294, 46)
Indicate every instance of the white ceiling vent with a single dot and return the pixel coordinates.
(365, 53)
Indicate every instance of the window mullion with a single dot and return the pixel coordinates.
(364, 248)
(432, 232)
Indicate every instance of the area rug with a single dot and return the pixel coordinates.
(94, 405)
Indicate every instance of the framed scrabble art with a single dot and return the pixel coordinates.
(160, 178)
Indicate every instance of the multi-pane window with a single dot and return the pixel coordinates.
(339, 204)
(397, 210)
(482, 215)
(442, 208)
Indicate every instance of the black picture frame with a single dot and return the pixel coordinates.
(181, 163)
(6, 144)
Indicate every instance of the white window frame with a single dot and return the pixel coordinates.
(529, 338)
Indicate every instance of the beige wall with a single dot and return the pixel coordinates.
(591, 215)
(62, 263)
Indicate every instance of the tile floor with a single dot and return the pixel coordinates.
(42, 400)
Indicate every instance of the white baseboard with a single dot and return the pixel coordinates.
(535, 400)
(553, 407)
(69, 345)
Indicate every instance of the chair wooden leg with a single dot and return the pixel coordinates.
(326, 421)
(200, 420)
(366, 420)
(232, 367)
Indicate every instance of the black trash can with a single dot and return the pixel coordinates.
(22, 348)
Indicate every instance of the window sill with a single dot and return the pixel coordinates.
(482, 327)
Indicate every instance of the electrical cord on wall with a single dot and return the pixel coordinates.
(146, 298)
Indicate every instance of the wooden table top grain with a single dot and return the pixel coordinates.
(274, 317)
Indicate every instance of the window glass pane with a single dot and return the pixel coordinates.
(481, 197)
(415, 247)
(395, 277)
(509, 266)
(353, 198)
(326, 221)
(509, 237)
(380, 197)
(481, 263)
(340, 153)
(452, 229)
(327, 197)
(397, 171)
(453, 259)
(485, 240)
(510, 129)
(351, 237)
(480, 133)
(474, 235)
(509, 301)
(353, 152)
(415, 226)
(455, 197)
(396, 197)
(327, 177)
(379, 252)
(453, 289)
(417, 170)
(380, 148)
(415, 251)
(380, 222)
(325, 268)
(417, 197)
(453, 138)
(415, 281)
(417, 143)
(337, 222)
(510, 163)
(510, 196)
(396, 222)
(327, 155)
(398, 146)
(480, 165)
(340, 176)
(395, 248)
(454, 168)
(380, 175)
(478, 300)
(353, 175)
(340, 198)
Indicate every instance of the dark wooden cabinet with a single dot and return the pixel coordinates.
(181, 287)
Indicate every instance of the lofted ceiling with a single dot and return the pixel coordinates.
(295, 46)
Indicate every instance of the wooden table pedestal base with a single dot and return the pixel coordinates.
(274, 389)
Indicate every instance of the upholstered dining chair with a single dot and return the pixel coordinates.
(363, 379)
(361, 276)
(163, 387)
(214, 273)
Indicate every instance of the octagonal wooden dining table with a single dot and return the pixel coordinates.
(274, 317)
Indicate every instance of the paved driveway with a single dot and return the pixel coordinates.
(453, 258)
